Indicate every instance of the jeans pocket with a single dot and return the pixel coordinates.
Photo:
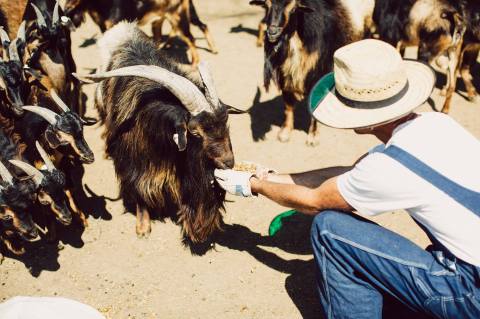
(420, 283)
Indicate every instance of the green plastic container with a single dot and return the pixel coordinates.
(277, 223)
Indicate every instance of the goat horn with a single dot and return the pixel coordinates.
(46, 159)
(5, 174)
(29, 170)
(13, 51)
(21, 31)
(40, 18)
(58, 101)
(55, 16)
(210, 90)
(48, 115)
(187, 92)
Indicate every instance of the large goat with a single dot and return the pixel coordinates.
(299, 44)
(179, 13)
(166, 131)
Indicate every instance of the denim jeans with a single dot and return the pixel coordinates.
(358, 262)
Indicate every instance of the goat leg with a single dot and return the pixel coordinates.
(76, 211)
(51, 230)
(455, 59)
(262, 26)
(469, 59)
(287, 128)
(312, 138)
(143, 227)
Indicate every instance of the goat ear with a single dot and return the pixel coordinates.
(180, 137)
(257, 2)
(304, 8)
(52, 138)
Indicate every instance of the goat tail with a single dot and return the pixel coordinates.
(114, 39)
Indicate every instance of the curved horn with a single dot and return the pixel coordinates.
(5, 174)
(21, 31)
(187, 92)
(13, 51)
(40, 18)
(49, 116)
(55, 16)
(45, 157)
(210, 90)
(29, 170)
(4, 36)
(58, 101)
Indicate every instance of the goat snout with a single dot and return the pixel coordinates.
(273, 33)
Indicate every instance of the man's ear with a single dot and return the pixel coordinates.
(304, 8)
(257, 3)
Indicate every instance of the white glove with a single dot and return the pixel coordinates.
(235, 182)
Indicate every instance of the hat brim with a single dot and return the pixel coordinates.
(328, 109)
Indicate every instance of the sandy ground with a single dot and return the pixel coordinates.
(247, 274)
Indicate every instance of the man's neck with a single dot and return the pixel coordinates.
(384, 133)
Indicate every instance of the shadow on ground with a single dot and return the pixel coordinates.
(42, 255)
(294, 238)
(241, 29)
(265, 114)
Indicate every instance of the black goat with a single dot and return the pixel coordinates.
(166, 131)
(13, 73)
(62, 136)
(301, 37)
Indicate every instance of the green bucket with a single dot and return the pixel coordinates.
(277, 223)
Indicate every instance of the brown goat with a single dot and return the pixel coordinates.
(166, 131)
(179, 13)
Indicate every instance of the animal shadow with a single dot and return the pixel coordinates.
(89, 41)
(265, 114)
(293, 237)
(240, 28)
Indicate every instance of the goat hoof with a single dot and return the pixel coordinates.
(143, 231)
(472, 98)
(1, 259)
(284, 135)
(312, 140)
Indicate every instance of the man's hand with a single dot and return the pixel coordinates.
(235, 182)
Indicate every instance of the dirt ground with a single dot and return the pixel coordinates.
(247, 274)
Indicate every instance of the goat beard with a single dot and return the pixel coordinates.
(202, 205)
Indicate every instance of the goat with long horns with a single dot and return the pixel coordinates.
(166, 131)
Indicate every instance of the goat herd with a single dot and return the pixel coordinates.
(165, 127)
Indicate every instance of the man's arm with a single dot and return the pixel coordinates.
(310, 179)
(307, 200)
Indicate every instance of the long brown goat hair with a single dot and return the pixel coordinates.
(164, 152)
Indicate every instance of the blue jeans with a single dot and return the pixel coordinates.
(358, 262)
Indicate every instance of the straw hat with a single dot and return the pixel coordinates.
(370, 84)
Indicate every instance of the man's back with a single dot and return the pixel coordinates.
(381, 184)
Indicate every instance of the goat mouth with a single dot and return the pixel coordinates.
(87, 159)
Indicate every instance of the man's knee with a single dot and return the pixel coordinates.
(323, 222)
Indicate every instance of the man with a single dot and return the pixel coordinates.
(427, 164)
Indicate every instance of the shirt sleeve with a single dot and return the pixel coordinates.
(376, 185)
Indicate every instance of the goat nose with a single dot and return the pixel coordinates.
(229, 162)
(274, 30)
